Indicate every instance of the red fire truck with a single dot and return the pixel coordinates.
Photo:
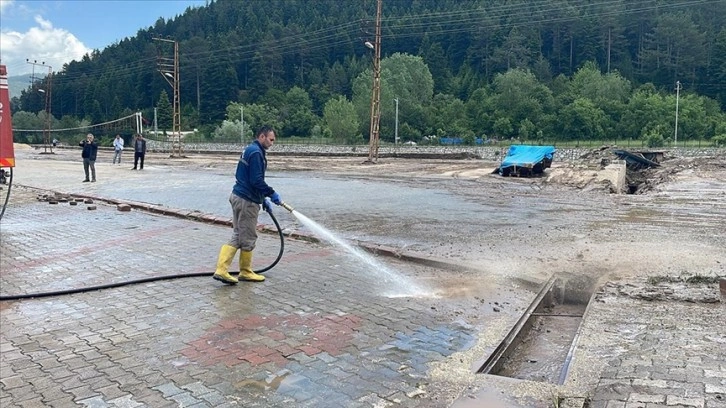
(7, 153)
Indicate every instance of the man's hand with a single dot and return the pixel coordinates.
(276, 198)
(267, 206)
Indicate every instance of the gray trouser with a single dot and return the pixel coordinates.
(117, 155)
(92, 164)
(244, 223)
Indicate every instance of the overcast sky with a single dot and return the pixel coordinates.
(59, 31)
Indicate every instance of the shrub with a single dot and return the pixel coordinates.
(719, 140)
(654, 139)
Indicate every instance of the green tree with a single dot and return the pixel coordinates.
(164, 112)
(194, 55)
(403, 76)
(698, 116)
(407, 133)
(189, 117)
(69, 122)
(337, 80)
(503, 128)
(645, 110)
(96, 113)
(526, 130)
(256, 116)
(234, 114)
(435, 58)
(609, 92)
(653, 137)
(677, 48)
(219, 85)
(518, 95)
(480, 111)
(116, 108)
(588, 82)
(340, 118)
(447, 114)
(229, 131)
(717, 71)
(720, 139)
(582, 120)
(296, 113)
(28, 121)
(515, 51)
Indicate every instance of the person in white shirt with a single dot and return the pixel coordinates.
(118, 147)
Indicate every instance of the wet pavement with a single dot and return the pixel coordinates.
(323, 330)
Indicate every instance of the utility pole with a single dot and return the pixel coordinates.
(169, 69)
(678, 94)
(395, 137)
(47, 91)
(376, 93)
(156, 124)
(242, 124)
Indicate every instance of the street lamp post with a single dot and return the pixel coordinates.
(678, 92)
(395, 137)
(156, 124)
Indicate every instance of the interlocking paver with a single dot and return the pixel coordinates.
(125, 401)
(317, 333)
(94, 402)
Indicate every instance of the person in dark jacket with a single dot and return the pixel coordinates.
(249, 191)
(139, 151)
(90, 150)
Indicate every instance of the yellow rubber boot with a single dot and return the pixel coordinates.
(226, 255)
(245, 268)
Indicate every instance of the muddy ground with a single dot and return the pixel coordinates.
(563, 222)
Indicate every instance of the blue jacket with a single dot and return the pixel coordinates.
(250, 175)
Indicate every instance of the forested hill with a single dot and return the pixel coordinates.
(248, 51)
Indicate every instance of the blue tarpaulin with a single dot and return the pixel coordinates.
(525, 160)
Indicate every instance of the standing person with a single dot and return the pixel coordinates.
(118, 147)
(249, 191)
(139, 151)
(90, 150)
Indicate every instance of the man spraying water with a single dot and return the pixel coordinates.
(249, 192)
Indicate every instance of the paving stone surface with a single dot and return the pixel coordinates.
(324, 329)
(317, 332)
(659, 353)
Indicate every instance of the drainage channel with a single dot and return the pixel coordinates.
(540, 345)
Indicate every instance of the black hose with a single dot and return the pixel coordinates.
(145, 280)
(282, 243)
(7, 196)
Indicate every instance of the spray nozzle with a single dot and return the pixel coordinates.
(288, 207)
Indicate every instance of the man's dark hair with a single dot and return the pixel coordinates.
(264, 130)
